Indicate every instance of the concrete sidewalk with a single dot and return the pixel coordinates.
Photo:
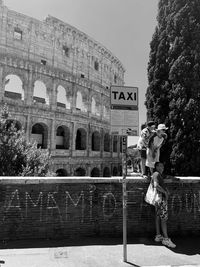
(100, 253)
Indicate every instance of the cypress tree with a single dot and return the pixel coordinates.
(173, 94)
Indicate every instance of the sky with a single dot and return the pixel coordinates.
(125, 27)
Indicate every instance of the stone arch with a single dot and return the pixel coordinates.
(95, 172)
(39, 133)
(62, 137)
(81, 139)
(96, 140)
(61, 172)
(114, 171)
(14, 87)
(106, 172)
(115, 143)
(106, 142)
(95, 106)
(79, 102)
(40, 94)
(62, 100)
(80, 171)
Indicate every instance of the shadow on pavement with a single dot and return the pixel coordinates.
(185, 245)
(188, 246)
(86, 241)
(43, 243)
(132, 264)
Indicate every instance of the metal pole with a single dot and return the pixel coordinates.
(124, 194)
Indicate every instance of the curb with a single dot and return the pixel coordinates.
(190, 265)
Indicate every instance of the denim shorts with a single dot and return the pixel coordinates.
(162, 210)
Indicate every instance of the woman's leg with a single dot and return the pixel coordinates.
(164, 218)
(164, 228)
(157, 222)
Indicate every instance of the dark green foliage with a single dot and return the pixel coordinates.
(17, 156)
(173, 94)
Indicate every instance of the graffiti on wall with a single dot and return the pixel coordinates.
(48, 204)
(89, 203)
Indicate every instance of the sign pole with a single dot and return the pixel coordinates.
(124, 105)
(124, 194)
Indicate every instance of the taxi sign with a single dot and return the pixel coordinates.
(125, 96)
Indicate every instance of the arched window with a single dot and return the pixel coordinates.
(40, 93)
(106, 142)
(114, 171)
(39, 134)
(62, 137)
(79, 172)
(14, 87)
(81, 139)
(106, 172)
(95, 172)
(96, 141)
(61, 172)
(79, 102)
(62, 100)
(95, 107)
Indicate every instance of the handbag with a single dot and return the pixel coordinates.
(153, 197)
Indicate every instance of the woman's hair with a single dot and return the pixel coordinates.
(143, 126)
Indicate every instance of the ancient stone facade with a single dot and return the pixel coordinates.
(56, 81)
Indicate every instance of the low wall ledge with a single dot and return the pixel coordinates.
(89, 180)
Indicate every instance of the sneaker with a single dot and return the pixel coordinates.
(158, 238)
(167, 242)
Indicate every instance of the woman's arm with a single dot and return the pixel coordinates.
(161, 189)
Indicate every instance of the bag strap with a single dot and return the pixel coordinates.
(152, 183)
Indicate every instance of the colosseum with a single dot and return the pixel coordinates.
(56, 82)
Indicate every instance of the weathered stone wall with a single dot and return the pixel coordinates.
(58, 54)
(75, 208)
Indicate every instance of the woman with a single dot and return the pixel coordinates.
(161, 208)
(155, 143)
